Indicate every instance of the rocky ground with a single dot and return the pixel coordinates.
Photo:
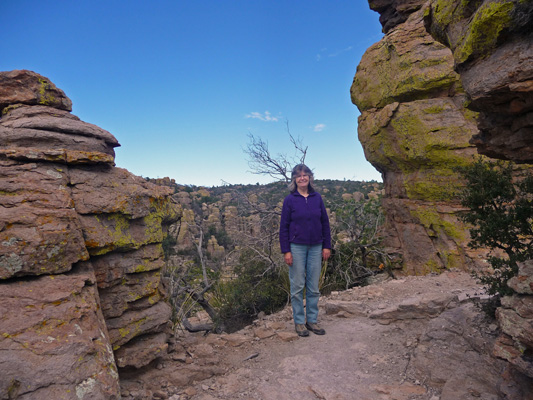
(409, 338)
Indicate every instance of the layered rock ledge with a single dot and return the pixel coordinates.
(80, 251)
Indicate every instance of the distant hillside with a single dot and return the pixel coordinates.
(227, 239)
(333, 191)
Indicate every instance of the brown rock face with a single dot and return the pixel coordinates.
(27, 87)
(415, 129)
(42, 133)
(54, 338)
(516, 321)
(491, 50)
(492, 45)
(394, 12)
(80, 251)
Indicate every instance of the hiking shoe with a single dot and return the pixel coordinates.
(313, 327)
(300, 330)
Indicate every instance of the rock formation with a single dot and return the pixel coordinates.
(492, 46)
(415, 130)
(516, 321)
(80, 251)
(394, 12)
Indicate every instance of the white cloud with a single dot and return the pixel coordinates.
(340, 51)
(319, 127)
(263, 117)
(324, 52)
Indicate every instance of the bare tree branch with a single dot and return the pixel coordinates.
(262, 162)
(298, 145)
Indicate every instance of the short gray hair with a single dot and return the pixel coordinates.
(297, 170)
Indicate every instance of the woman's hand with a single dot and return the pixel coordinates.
(288, 258)
(325, 254)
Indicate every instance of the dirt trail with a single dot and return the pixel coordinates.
(411, 338)
(352, 361)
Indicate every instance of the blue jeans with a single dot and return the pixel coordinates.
(305, 273)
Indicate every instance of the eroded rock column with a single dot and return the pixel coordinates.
(415, 130)
(80, 251)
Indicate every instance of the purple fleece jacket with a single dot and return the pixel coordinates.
(304, 221)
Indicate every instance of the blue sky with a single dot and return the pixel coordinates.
(181, 84)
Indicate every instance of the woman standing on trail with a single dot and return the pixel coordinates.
(305, 240)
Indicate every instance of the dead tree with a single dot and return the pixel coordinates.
(262, 162)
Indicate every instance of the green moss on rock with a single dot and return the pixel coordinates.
(454, 260)
(128, 332)
(431, 266)
(435, 190)
(418, 137)
(45, 97)
(388, 74)
(481, 37)
(436, 225)
(124, 233)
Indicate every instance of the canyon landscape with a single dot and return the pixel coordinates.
(86, 307)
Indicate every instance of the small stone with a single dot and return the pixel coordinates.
(182, 357)
(159, 395)
(287, 336)
(342, 314)
(190, 391)
(263, 333)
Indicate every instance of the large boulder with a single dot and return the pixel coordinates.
(394, 12)
(28, 87)
(40, 232)
(486, 71)
(42, 133)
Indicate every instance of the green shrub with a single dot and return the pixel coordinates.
(168, 244)
(255, 288)
(499, 197)
(357, 252)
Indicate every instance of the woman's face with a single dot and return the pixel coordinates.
(302, 180)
